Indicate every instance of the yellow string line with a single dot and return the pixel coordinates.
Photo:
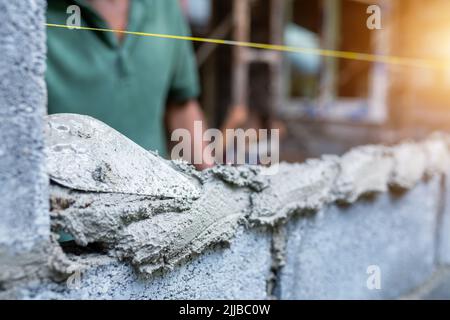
(393, 60)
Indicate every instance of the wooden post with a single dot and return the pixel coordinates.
(331, 39)
(241, 18)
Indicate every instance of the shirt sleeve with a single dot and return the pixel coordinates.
(185, 80)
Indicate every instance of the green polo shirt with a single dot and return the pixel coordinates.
(124, 84)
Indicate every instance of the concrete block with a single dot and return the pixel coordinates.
(328, 254)
(23, 183)
(444, 246)
(441, 291)
(238, 272)
(436, 287)
(444, 227)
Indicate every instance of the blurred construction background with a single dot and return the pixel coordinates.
(324, 105)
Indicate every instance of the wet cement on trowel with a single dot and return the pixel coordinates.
(156, 228)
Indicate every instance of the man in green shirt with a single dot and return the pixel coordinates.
(140, 86)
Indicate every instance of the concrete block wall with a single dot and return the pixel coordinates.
(237, 272)
(324, 255)
(327, 256)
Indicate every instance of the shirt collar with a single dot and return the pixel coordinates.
(135, 17)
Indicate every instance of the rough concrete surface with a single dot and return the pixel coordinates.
(296, 188)
(436, 287)
(437, 154)
(149, 215)
(366, 169)
(24, 226)
(152, 234)
(441, 289)
(408, 173)
(157, 231)
(23, 200)
(328, 254)
(237, 272)
(159, 228)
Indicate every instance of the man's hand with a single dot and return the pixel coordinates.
(183, 116)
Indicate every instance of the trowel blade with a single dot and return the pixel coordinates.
(87, 155)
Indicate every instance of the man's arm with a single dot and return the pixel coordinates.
(183, 116)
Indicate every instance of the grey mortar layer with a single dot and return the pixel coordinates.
(157, 231)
